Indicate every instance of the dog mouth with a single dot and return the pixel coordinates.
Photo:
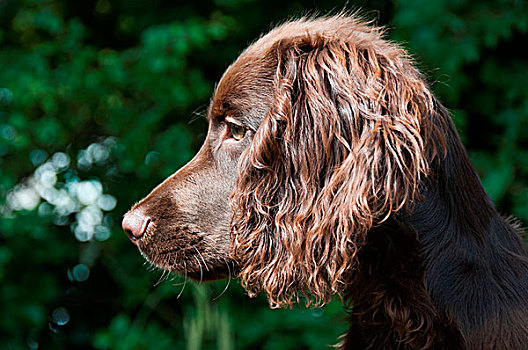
(185, 253)
(219, 272)
(191, 267)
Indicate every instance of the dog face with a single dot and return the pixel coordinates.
(183, 225)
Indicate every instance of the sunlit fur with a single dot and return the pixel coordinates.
(352, 131)
(350, 180)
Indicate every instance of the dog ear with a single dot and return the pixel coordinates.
(339, 151)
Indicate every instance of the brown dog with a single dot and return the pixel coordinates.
(330, 168)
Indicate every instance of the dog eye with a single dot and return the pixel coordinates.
(236, 131)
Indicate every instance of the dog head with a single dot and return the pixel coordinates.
(317, 132)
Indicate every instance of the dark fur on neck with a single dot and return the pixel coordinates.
(449, 274)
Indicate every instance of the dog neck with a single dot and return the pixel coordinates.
(472, 257)
(449, 262)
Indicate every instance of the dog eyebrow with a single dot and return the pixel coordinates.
(232, 119)
(226, 110)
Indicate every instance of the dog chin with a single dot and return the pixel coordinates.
(188, 270)
(207, 276)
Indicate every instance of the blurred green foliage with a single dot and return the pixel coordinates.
(110, 96)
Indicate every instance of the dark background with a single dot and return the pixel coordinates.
(101, 100)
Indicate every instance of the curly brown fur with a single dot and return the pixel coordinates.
(348, 179)
(341, 148)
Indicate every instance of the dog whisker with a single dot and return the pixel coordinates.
(184, 280)
(228, 281)
(201, 270)
(198, 113)
(201, 256)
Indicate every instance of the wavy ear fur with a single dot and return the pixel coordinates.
(343, 147)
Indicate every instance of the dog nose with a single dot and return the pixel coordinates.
(135, 224)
